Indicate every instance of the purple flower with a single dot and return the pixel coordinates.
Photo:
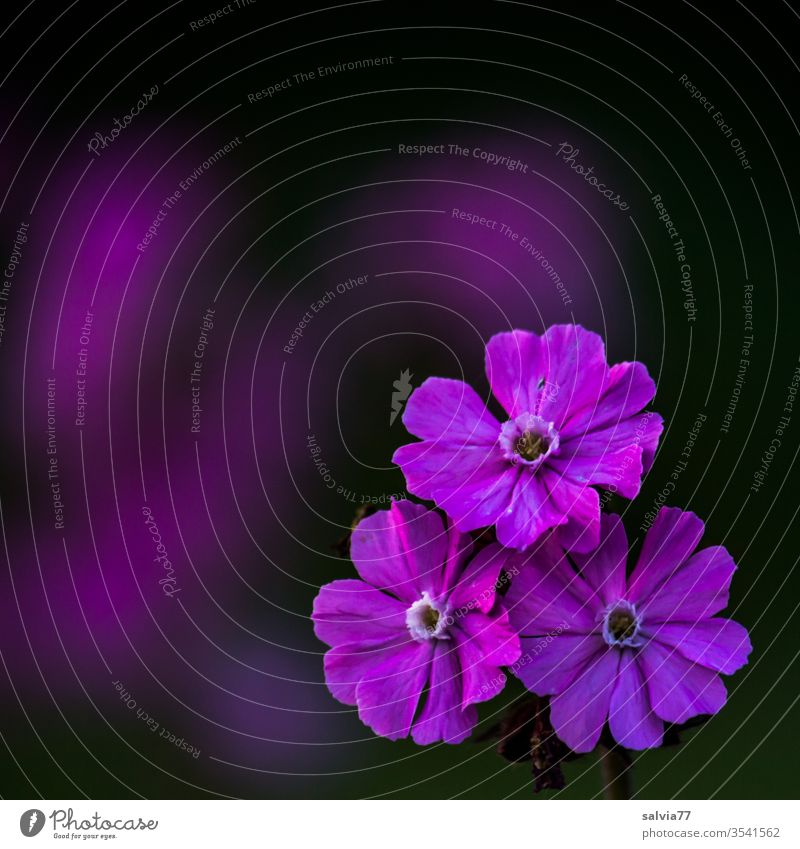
(637, 651)
(420, 639)
(572, 424)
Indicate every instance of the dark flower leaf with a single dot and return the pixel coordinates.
(526, 735)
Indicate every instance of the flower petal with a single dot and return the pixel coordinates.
(627, 389)
(609, 458)
(576, 369)
(630, 718)
(549, 664)
(459, 552)
(516, 370)
(696, 590)
(346, 664)
(604, 567)
(483, 645)
(451, 411)
(351, 611)
(442, 717)
(581, 506)
(548, 595)
(475, 588)
(719, 644)
(479, 499)
(530, 513)
(388, 694)
(678, 688)
(670, 541)
(401, 550)
(494, 638)
(579, 713)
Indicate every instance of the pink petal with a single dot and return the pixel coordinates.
(604, 568)
(479, 499)
(581, 506)
(441, 717)
(388, 695)
(476, 586)
(351, 611)
(550, 663)
(548, 595)
(719, 644)
(673, 537)
(579, 713)
(606, 458)
(401, 550)
(481, 648)
(516, 370)
(449, 411)
(627, 389)
(428, 466)
(576, 371)
(631, 720)
(697, 590)
(678, 688)
(530, 513)
(492, 636)
(459, 552)
(346, 664)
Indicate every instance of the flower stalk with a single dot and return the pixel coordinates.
(617, 769)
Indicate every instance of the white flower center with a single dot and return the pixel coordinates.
(528, 439)
(425, 621)
(621, 624)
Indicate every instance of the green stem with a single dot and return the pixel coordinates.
(616, 766)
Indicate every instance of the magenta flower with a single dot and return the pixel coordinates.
(639, 651)
(572, 425)
(420, 639)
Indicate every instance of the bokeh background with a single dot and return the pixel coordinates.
(126, 676)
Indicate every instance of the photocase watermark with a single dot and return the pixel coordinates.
(329, 482)
(169, 583)
(9, 272)
(101, 141)
(33, 821)
(780, 429)
(743, 365)
(522, 240)
(318, 305)
(318, 73)
(679, 468)
(206, 326)
(53, 468)
(402, 389)
(81, 369)
(222, 12)
(489, 157)
(183, 186)
(159, 730)
(719, 119)
(679, 249)
(569, 155)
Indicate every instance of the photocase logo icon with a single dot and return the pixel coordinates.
(403, 389)
(31, 822)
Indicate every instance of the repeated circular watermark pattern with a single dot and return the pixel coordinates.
(269, 280)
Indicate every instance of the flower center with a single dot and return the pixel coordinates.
(531, 445)
(528, 439)
(621, 624)
(425, 621)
